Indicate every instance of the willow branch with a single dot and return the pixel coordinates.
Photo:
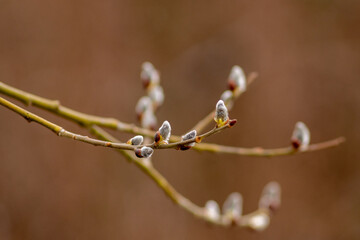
(31, 117)
(90, 122)
(201, 125)
(73, 115)
(83, 119)
(110, 141)
(199, 138)
(60, 131)
(170, 191)
(261, 152)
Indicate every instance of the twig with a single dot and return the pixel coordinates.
(59, 130)
(64, 133)
(170, 191)
(201, 125)
(110, 141)
(261, 152)
(79, 117)
(197, 139)
(30, 117)
(89, 120)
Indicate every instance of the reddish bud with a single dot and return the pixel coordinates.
(232, 85)
(296, 144)
(138, 153)
(144, 152)
(146, 82)
(237, 79)
(184, 147)
(300, 138)
(157, 137)
(232, 122)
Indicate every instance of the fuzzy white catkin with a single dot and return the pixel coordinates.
(271, 196)
(156, 94)
(226, 96)
(165, 131)
(137, 140)
(238, 77)
(146, 152)
(149, 73)
(212, 210)
(221, 112)
(301, 134)
(148, 120)
(142, 104)
(259, 221)
(233, 205)
(190, 135)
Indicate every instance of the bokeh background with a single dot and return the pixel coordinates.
(88, 55)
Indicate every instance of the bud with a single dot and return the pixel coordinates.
(232, 122)
(237, 79)
(227, 96)
(163, 135)
(259, 221)
(144, 152)
(149, 75)
(137, 140)
(271, 196)
(232, 208)
(148, 119)
(221, 114)
(141, 106)
(190, 135)
(156, 94)
(212, 210)
(300, 138)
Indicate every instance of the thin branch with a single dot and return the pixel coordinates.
(31, 117)
(197, 139)
(89, 120)
(64, 133)
(201, 125)
(79, 117)
(170, 191)
(261, 152)
(152, 173)
(110, 141)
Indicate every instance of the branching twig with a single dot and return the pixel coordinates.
(112, 123)
(201, 125)
(59, 130)
(169, 190)
(257, 220)
(64, 133)
(110, 141)
(73, 115)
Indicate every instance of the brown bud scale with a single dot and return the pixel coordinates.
(232, 122)
(232, 85)
(183, 147)
(157, 137)
(296, 144)
(138, 153)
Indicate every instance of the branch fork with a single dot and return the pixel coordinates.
(147, 141)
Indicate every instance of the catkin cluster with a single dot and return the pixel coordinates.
(147, 105)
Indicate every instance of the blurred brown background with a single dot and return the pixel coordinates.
(88, 55)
